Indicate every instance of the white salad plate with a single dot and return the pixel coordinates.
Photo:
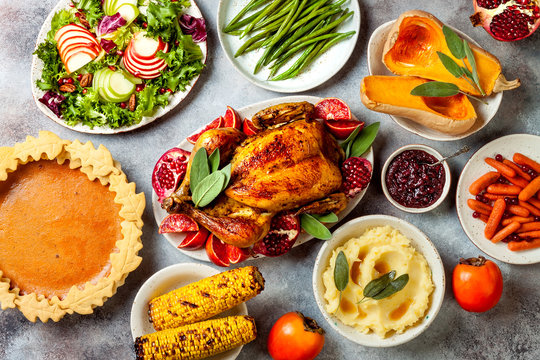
(37, 68)
(166, 280)
(321, 70)
(525, 144)
(247, 112)
(376, 67)
(419, 241)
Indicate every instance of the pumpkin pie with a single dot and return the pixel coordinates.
(70, 227)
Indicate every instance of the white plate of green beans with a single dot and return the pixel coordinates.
(288, 46)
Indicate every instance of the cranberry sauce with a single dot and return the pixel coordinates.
(411, 182)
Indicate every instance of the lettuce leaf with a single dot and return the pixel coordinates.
(162, 19)
(92, 10)
(196, 27)
(53, 68)
(61, 18)
(109, 24)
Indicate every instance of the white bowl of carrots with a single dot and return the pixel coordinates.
(498, 199)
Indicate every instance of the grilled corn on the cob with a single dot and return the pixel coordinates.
(196, 341)
(205, 298)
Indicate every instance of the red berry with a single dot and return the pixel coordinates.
(475, 215)
(84, 91)
(69, 81)
(499, 157)
(119, 52)
(123, 105)
(176, 43)
(112, 68)
(169, 91)
(60, 81)
(162, 91)
(139, 87)
(79, 77)
(144, 25)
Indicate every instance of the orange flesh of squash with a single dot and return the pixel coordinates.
(415, 53)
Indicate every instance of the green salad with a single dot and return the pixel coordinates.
(111, 62)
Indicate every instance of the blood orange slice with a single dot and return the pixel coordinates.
(341, 129)
(217, 251)
(174, 223)
(232, 119)
(332, 109)
(217, 123)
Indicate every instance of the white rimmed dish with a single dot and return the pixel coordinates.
(321, 70)
(168, 279)
(247, 112)
(419, 241)
(376, 67)
(37, 68)
(526, 144)
(447, 182)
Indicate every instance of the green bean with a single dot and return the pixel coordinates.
(251, 5)
(268, 10)
(238, 25)
(254, 46)
(249, 42)
(282, 11)
(327, 28)
(298, 63)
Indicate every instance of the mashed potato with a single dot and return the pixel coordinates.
(378, 251)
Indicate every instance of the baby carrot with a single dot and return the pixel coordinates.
(479, 206)
(519, 219)
(495, 197)
(504, 232)
(503, 189)
(534, 210)
(534, 202)
(518, 181)
(532, 226)
(518, 210)
(523, 245)
(494, 218)
(517, 169)
(533, 234)
(483, 182)
(502, 168)
(484, 218)
(524, 160)
(531, 189)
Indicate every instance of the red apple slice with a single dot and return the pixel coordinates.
(68, 51)
(68, 28)
(76, 34)
(142, 72)
(78, 60)
(145, 47)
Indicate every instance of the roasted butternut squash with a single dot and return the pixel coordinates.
(411, 49)
(392, 95)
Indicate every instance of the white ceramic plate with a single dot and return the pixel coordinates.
(376, 67)
(419, 241)
(247, 112)
(37, 68)
(322, 69)
(526, 144)
(168, 279)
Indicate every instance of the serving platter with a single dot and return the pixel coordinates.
(526, 144)
(247, 112)
(169, 279)
(37, 93)
(321, 70)
(376, 67)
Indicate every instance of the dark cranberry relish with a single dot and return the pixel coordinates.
(411, 182)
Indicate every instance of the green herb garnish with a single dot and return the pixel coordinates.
(213, 160)
(199, 169)
(341, 273)
(326, 218)
(314, 227)
(208, 189)
(206, 181)
(384, 286)
(358, 142)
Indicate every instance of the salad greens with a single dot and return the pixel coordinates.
(84, 105)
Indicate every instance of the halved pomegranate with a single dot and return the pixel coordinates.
(356, 173)
(332, 109)
(217, 123)
(341, 129)
(174, 223)
(232, 119)
(194, 239)
(507, 20)
(284, 231)
(169, 172)
(248, 128)
(237, 255)
(217, 251)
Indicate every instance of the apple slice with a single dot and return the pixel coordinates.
(120, 86)
(78, 60)
(86, 47)
(144, 47)
(76, 37)
(129, 12)
(67, 29)
(138, 71)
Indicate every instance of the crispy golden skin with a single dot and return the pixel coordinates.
(283, 113)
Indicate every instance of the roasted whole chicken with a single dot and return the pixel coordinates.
(292, 165)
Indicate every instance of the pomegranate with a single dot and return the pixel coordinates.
(217, 123)
(284, 231)
(174, 223)
(169, 171)
(507, 20)
(356, 173)
(332, 109)
(194, 239)
(341, 129)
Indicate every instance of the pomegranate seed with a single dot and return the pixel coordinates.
(71, 5)
(169, 91)
(69, 81)
(60, 81)
(514, 201)
(113, 68)
(476, 215)
(123, 105)
(537, 218)
(499, 157)
(176, 43)
(139, 87)
(162, 91)
(84, 91)
(119, 53)
(144, 25)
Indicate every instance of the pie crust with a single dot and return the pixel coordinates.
(96, 164)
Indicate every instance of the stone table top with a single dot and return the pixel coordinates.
(510, 330)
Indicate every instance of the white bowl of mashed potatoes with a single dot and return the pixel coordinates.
(375, 245)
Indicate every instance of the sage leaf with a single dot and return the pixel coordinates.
(472, 61)
(213, 160)
(467, 72)
(393, 287)
(363, 141)
(314, 227)
(435, 89)
(326, 218)
(208, 189)
(348, 150)
(199, 169)
(450, 65)
(454, 43)
(376, 286)
(227, 172)
(341, 272)
(350, 138)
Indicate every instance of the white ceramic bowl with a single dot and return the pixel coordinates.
(429, 150)
(376, 67)
(168, 279)
(419, 241)
(321, 70)
(526, 144)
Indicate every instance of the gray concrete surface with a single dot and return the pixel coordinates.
(509, 331)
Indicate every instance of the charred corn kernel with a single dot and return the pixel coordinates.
(205, 298)
(196, 341)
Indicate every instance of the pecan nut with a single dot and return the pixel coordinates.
(83, 21)
(132, 102)
(69, 88)
(86, 80)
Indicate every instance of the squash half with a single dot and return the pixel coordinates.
(411, 49)
(392, 95)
